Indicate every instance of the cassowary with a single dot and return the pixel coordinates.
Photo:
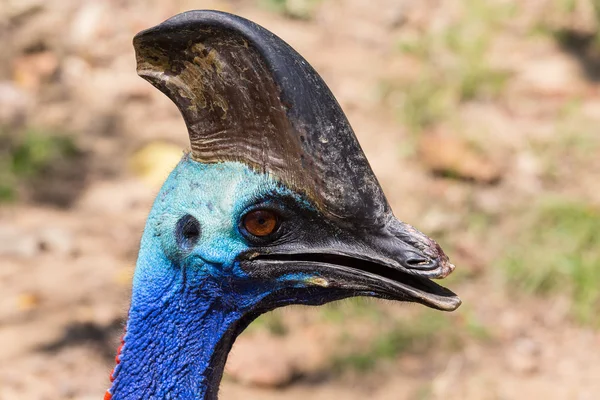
(275, 204)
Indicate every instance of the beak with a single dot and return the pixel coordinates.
(247, 96)
(395, 262)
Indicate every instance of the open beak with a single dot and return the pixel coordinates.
(396, 262)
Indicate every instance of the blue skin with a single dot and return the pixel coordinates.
(186, 301)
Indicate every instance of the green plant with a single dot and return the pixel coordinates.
(562, 22)
(573, 146)
(272, 322)
(558, 251)
(454, 68)
(424, 102)
(300, 9)
(424, 392)
(350, 309)
(25, 155)
(416, 335)
(596, 6)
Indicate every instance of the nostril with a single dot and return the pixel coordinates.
(421, 263)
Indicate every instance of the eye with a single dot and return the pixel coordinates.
(187, 232)
(261, 223)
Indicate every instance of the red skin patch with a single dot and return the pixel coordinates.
(108, 395)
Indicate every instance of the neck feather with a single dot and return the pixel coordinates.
(177, 341)
(187, 308)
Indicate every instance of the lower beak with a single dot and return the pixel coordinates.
(354, 274)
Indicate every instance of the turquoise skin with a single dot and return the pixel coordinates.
(190, 302)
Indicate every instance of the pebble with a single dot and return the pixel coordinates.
(451, 155)
(14, 103)
(56, 241)
(555, 74)
(31, 70)
(17, 244)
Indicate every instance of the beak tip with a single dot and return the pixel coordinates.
(455, 304)
(447, 269)
(449, 304)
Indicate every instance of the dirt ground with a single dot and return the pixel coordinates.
(69, 243)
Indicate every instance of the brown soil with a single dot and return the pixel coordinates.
(67, 250)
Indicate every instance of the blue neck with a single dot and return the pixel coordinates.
(181, 326)
(176, 347)
(189, 304)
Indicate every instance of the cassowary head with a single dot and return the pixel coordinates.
(275, 204)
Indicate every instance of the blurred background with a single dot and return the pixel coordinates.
(480, 118)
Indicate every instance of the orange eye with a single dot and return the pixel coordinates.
(260, 222)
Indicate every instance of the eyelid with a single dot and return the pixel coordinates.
(284, 203)
(266, 204)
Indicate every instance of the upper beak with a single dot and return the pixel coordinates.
(394, 262)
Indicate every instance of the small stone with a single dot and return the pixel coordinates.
(124, 276)
(16, 243)
(88, 22)
(57, 241)
(155, 161)
(451, 156)
(28, 301)
(556, 74)
(31, 70)
(14, 103)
